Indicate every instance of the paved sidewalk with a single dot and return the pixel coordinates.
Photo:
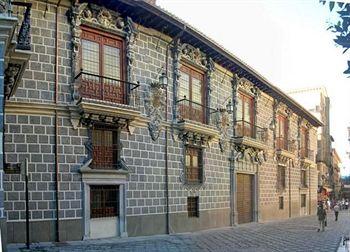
(299, 234)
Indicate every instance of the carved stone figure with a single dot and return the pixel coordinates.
(155, 105)
(223, 124)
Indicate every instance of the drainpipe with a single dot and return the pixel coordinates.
(310, 190)
(166, 132)
(290, 190)
(56, 128)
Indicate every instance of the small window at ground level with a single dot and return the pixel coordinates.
(280, 203)
(104, 201)
(193, 206)
(303, 200)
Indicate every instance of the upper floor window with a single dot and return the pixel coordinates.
(245, 115)
(304, 143)
(194, 165)
(191, 95)
(102, 65)
(282, 132)
(105, 149)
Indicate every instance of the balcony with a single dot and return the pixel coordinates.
(307, 156)
(102, 97)
(285, 147)
(16, 29)
(196, 118)
(249, 134)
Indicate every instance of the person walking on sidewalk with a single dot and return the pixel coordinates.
(321, 214)
(336, 211)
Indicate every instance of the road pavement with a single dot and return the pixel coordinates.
(297, 234)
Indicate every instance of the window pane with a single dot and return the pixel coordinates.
(195, 161)
(196, 90)
(239, 108)
(247, 107)
(188, 160)
(90, 57)
(111, 64)
(184, 89)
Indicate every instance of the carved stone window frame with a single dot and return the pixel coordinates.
(187, 55)
(98, 17)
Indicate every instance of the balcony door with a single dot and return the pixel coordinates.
(282, 132)
(191, 95)
(245, 115)
(101, 62)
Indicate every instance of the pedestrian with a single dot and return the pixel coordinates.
(321, 214)
(336, 211)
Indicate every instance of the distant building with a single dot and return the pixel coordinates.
(336, 180)
(316, 100)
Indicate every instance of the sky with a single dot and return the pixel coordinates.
(286, 42)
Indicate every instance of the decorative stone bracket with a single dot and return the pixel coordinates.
(247, 153)
(155, 106)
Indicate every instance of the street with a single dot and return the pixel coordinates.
(298, 234)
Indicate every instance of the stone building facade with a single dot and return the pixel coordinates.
(134, 123)
(317, 101)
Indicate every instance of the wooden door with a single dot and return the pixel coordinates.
(245, 198)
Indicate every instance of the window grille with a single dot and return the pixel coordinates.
(104, 201)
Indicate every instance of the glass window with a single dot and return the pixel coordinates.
(244, 115)
(281, 177)
(104, 154)
(194, 167)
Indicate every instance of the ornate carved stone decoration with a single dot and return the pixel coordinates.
(223, 124)
(249, 88)
(191, 187)
(194, 55)
(100, 17)
(194, 139)
(249, 154)
(155, 105)
(10, 77)
(3, 6)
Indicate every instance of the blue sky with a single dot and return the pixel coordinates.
(286, 41)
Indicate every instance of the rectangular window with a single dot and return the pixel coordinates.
(191, 95)
(194, 165)
(282, 132)
(281, 177)
(303, 178)
(193, 206)
(244, 116)
(280, 203)
(304, 143)
(104, 149)
(104, 201)
(101, 61)
(303, 200)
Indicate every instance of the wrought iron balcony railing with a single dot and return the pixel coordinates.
(248, 129)
(194, 111)
(282, 143)
(306, 153)
(104, 88)
(22, 11)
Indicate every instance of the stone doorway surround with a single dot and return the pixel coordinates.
(104, 177)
